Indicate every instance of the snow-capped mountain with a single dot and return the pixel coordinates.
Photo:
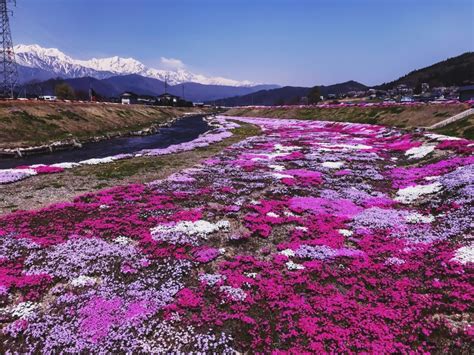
(52, 60)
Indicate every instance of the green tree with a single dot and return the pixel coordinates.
(418, 89)
(314, 95)
(64, 91)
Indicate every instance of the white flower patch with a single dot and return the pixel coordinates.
(252, 275)
(394, 261)
(23, 309)
(282, 148)
(13, 175)
(346, 232)
(464, 254)
(65, 165)
(223, 224)
(277, 167)
(290, 265)
(441, 137)
(431, 178)
(268, 156)
(343, 147)
(333, 164)
(235, 293)
(83, 280)
(288, 252)
(416, 217)
(123, 240)
(187, 231)
(211, 279)
(282, 176)
(95, 161)
(412, 193)
(419, 152)
(272, 214)
(300, 228)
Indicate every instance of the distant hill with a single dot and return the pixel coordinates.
(288, 94)
(456, 71)
(114, 86)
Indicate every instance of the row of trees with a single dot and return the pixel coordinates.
(64, 91)
(313, 97)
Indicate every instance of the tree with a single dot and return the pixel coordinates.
(64, 91)
(418, 89)
(314, 95)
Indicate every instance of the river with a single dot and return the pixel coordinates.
(182, 130)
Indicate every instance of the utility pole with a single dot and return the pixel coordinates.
(166, 83)
(8, 68)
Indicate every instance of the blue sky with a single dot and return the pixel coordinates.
(294, 42)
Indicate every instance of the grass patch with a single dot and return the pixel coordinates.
(463, 128)
(122, 169)
(127, 168)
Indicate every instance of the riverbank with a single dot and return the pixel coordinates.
(179, 130)
(403, 116)
(26, 124)
(42, 190)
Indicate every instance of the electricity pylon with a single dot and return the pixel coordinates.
(8, 68)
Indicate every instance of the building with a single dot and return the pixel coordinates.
(425, 87)
(168, 100)
(466, 93)
(48, 97)
(146, 100)
(128, 98)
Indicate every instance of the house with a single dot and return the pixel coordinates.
(466, 93)
(168, 100)
(48, 97)
(146, 100)
(128, 98)
(407, 99)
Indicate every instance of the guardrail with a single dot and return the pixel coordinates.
(452, 119)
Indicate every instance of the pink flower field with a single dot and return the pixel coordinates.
(314, 237)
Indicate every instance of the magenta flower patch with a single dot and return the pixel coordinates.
(313, 237)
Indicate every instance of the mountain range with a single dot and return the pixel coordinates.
(40, 69)
(36, 62)
(288, 94)
(456, 71)
(115, 85)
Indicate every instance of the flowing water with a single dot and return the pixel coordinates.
(183, 130)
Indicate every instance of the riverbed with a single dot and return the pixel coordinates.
(182, 130)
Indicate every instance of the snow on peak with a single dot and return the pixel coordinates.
(53, 60)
